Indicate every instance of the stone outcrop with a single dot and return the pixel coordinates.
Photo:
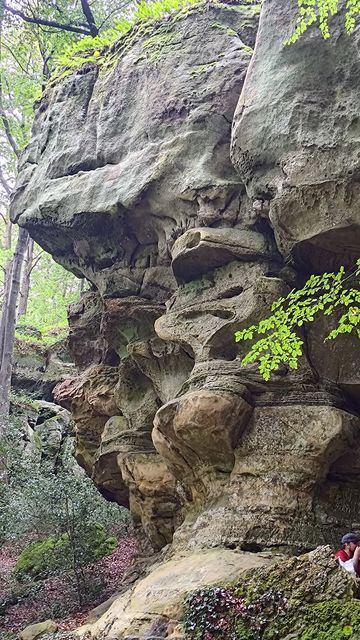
(319, 600)
(38, 366)
(46, 430)
(128, 182)
(159, 596)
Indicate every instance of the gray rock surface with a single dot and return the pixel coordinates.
(296, 137)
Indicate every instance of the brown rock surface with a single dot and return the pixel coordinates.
(296, 137)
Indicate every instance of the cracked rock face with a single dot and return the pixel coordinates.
(128, 182)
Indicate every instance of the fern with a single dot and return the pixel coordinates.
(90, 49)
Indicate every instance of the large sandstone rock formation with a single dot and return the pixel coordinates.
(128, 182)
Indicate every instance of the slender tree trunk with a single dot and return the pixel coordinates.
(25, 283)
(7, 245)
(7, 279)
(7, 324)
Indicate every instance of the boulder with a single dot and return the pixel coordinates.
(160, 595)
(34, 631)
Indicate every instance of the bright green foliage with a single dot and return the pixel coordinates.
(92, 49)
(319, 12)
(326, 294)
(52, 290)
(40, 559)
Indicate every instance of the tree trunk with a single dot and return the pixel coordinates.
(7, 324)
(89, 18)
(7, 278)
(25, 283)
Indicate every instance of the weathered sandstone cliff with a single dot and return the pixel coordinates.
(128, 182)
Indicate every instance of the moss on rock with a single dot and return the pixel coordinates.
(305, 598)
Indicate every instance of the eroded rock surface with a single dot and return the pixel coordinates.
(296, 137)
(128, 181)
(160, 595)
(318, 599)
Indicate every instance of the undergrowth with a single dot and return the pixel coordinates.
(90, 49)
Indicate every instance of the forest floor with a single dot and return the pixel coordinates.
(56, 597)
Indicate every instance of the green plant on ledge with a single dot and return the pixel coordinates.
(225, 613)
(90, 49)
(216, 613)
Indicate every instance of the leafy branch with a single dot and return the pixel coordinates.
(319, 11)
(325, 294)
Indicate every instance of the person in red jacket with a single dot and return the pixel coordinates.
(349, 555)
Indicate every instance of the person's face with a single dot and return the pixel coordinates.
(350, 548)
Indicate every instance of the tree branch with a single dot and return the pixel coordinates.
(35, 262)
(5, 183)
(89, 18)
(47, 23)
(11, 51)
(7, 130)
(122, 5)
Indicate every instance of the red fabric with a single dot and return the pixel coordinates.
(342, 555)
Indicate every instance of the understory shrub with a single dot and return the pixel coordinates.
(55, 506)
(55, 554)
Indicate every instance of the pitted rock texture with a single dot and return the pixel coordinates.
(296, 137)
(165, 107)
(128, 181)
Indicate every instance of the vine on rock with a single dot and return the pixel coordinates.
(219, 613)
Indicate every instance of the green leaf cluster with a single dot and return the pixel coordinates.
(327, 294)
(319, 12)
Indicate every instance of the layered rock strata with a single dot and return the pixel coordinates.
(128, 182)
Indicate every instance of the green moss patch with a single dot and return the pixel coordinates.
(55, 554)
